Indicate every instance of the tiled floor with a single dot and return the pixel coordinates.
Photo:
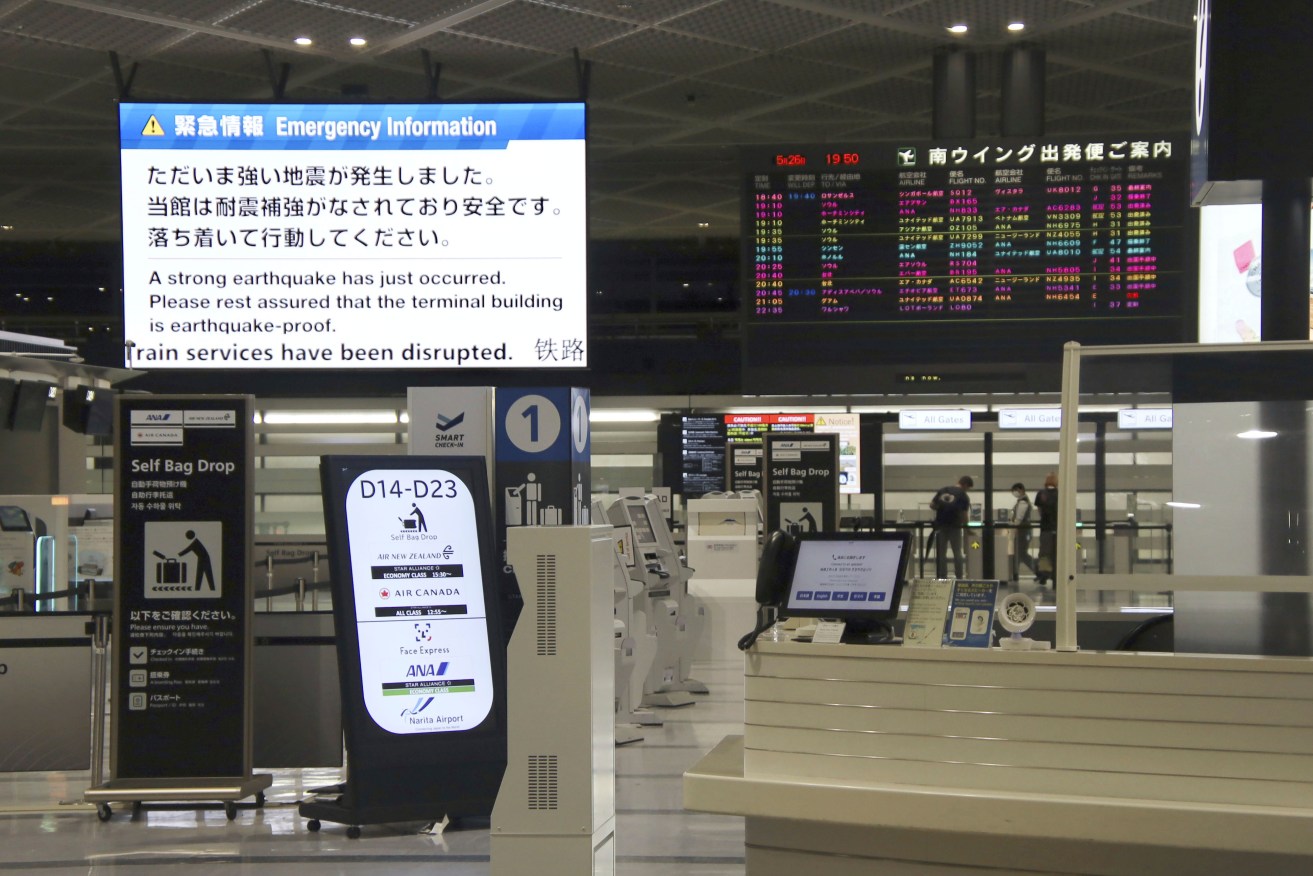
(44, 830)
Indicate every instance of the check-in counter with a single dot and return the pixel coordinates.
(899, 761)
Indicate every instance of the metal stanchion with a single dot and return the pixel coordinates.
(99, 677)
(269, 582)
(300, 594)
(314, 572)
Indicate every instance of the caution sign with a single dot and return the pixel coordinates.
(153, 128)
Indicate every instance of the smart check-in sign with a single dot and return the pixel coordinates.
(418, 589)
(182, 611)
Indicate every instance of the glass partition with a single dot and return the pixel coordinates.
(1225, 539)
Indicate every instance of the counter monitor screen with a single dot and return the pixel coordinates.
(644, 532)
(854, 577)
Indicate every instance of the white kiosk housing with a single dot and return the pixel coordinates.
(555, 813)
(723, 538)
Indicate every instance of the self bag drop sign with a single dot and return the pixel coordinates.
(421, 622)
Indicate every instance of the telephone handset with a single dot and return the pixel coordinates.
(772, 573)
(777, 558)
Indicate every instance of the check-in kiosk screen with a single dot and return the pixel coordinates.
(834, 576)
(644, 533)
(349, 236)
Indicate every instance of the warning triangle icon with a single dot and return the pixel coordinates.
(153, 128)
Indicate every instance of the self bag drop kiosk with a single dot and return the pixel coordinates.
(672, 614)
(635, 643)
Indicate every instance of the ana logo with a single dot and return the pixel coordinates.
(426, 670)
(384, 593)
(158, 418)
(445, 424)
(423, 632)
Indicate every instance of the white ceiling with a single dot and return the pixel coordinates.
(675, 87)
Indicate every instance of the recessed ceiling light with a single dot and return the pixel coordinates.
(1017, 26)
(303, 41)
(6, 228)
(1256, 434)
(358, 41)
(957, 28)
(704, 225)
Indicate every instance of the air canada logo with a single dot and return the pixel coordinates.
(384, 593)
(446, 424)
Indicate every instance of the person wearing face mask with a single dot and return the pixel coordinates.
(1020, 520)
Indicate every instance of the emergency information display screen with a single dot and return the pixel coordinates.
(297, 236)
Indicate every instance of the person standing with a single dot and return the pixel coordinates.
(952, 507)
(1020, 520)
(1046, 500)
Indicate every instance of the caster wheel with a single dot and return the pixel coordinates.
(353, 832)
(259, 799)
(230, 810)
(103, 812)
(313, 825)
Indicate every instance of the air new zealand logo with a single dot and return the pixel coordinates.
(444, 424)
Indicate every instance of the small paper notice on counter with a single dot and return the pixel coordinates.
(926, 613)
(828, 632)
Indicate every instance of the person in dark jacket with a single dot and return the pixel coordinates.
(952, 507)
(1046, 502)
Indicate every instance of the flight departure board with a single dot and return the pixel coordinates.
(857, 257)
(974, 231)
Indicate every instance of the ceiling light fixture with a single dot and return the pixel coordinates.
(358, 41)
(1183, 505)
(622, 416)
(1017, 26)
(303, 41)
(957, 28)
(1256, 433)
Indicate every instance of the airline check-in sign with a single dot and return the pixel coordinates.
(421, 624)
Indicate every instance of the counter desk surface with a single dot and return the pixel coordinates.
(1081, 762)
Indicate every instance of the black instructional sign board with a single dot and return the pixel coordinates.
(182, 615)
(802, 483)
(421, 658)
(743, 466)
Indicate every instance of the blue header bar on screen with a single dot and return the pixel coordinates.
(264, 126)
